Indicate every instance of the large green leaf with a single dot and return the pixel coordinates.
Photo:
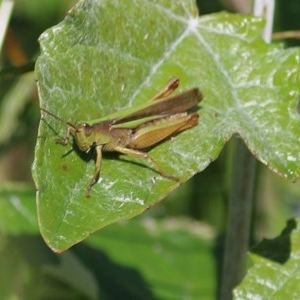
(109, 55)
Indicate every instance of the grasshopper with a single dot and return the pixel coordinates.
(136, 128)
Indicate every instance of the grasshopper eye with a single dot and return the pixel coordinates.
(87, 129)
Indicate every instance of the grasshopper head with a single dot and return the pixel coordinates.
(84, 135)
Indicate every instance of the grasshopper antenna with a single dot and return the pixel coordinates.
(57, 118)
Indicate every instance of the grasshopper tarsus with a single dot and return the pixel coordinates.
(88, 191)
(171, 177)
(90, 185)
(61, 141)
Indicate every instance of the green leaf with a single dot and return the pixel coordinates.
(275, 270)
(109, 55)
(17, 209)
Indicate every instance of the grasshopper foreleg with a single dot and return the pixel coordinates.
(64, 141)
(97, 171)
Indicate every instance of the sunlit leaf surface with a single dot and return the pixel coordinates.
(110, 55)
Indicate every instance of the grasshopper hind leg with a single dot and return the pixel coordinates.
(168, 89)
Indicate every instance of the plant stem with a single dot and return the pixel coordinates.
(265, 8)
(239, 219)
(241, 199)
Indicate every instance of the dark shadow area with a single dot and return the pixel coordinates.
(208, 7)
(115, 281)
(288, 19)
(278, 249)
(34, 250)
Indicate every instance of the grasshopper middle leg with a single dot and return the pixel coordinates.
(145, 155)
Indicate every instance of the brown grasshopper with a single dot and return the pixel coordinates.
(137, 128)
